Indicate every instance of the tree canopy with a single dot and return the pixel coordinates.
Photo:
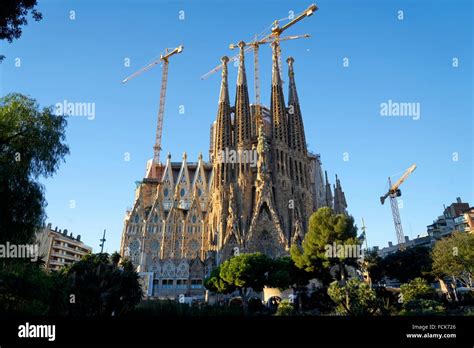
(101, 287)
(419, 298)
(325, 229)
(241, 273)
(27, 289)
(284, 274)
(406, 265)
(32, 144)
(215, 283)
(454, 257)
(13, 16)
(354, 297)
(246, 271)
(373, 265)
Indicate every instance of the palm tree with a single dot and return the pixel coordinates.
(115, 258)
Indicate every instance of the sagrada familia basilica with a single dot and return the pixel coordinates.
(256, 192)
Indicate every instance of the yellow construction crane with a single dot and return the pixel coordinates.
(393, 193)
(255, 45)
(276, 31)
(164, 57)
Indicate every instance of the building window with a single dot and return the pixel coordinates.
(135, 258)
(182, 192)
(181, 284)
(196, 283)
(155, 245)
(167, 284)
(155, 287)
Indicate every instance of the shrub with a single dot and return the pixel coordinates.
(419, 298)
(320, 300)
(422, 307)
(353, 298)
(417, 289)
(285, 308)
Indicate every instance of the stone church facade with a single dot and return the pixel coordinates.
(255, 193)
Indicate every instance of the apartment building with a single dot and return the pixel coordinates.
(58, 248)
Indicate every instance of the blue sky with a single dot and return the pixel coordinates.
(409, 60)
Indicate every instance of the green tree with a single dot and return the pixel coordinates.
(354, 297)
(216, 284)
(13, 15)
(28, 289)
(246, 272)
(31, 145)
(454, 257)
(373, 265)
(101, 288)
(418, 297)
(325, 229)
(417, 289)
(115, 259)
(408, 264)
(284, 274)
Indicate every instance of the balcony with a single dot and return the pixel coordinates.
(74, 258)
(79, 250)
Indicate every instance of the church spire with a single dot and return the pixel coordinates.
(340, 203)
(224, 94)
(296, 136)
(223, 131)
(328, 192)
(242, 105)
(278, 109)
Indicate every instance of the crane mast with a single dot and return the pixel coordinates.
(161, 112)
(256, 75)
(396, 219)
(393, 193)
(256, 78)
(164, 57)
